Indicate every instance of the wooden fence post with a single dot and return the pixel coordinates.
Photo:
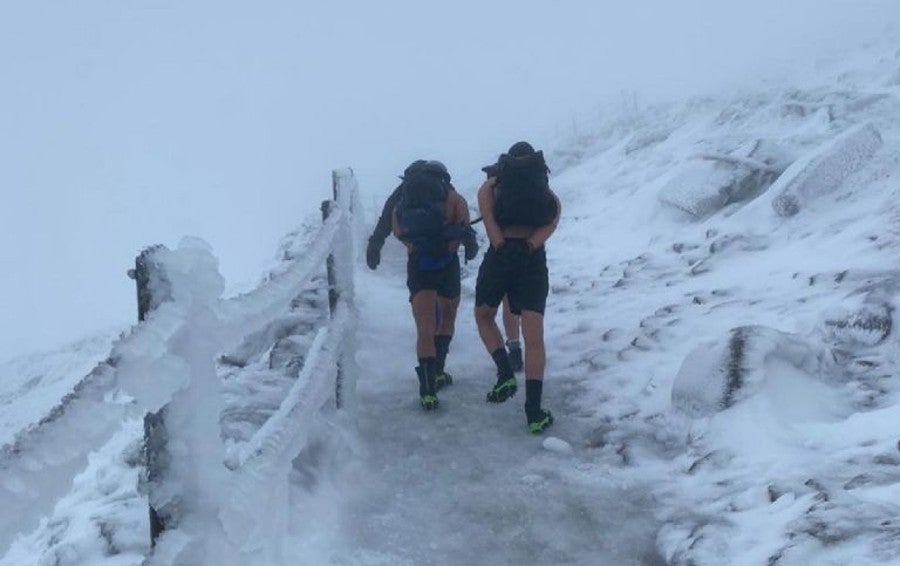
(340, 275)
(333, 293)
(152, 290)
(333, 296)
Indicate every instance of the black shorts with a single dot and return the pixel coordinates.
(444, 280)
(516, 272)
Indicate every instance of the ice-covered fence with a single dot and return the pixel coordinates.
(169, 360)
(38, 467)
(257, 507)
(195, 493)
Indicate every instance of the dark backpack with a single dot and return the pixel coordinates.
(522, 195)
(421, 207)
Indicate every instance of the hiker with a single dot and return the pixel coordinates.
(511, 322)
(520, 213)
(431, 219)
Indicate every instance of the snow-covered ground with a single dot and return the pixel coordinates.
(722, 366)
(34, 384)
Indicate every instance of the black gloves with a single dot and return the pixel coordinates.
(373, 252)
(470, 243)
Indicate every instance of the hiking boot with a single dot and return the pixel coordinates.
(442, 380)
(502, 390)
(427, 397)
(538, 421)
(429, 402)
(515, 359)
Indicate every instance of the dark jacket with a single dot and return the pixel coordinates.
(383, 228)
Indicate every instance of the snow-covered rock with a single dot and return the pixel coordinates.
(823, 170)
(707, 183)
(716, 376)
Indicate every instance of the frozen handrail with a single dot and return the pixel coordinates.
(186, 326)
(266, 459)
(252, 503)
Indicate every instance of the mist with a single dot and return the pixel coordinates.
(130, 124)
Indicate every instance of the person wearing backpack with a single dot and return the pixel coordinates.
(511, 322)
(520, 214)
(447, 306)
(432, 219)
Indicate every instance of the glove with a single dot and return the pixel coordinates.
(373, 253)
(471, 246)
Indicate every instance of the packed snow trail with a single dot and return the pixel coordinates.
(468, 484)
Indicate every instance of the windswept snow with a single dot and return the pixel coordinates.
(31, 386)
(722, 369)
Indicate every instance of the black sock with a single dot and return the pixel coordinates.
(441, 346)
(426, 372)
(513, 345)
(533, 390)
(504, 370)
(427, 364)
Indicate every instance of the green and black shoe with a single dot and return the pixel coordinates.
(502, 390)
(429, 402)
(427, 397)
(442, 380)
(538, 421)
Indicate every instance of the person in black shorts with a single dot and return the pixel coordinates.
(520, 214)
(445, 281)
(432, 220)
(511, 322)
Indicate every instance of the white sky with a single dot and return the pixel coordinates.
(124, 124)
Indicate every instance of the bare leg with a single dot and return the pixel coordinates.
(510, 321)
(448, 308)
(423, 308)
(535, 355)
(486, 320)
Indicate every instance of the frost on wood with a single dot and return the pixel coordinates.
(716, 376)
(824, 170)
(276, 330)
(254, 310)
(288, 354)
(187, 488)
(263, 464)
(709, 182)
(347, 189)
(146, 369)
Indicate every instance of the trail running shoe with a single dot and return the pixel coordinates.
(427, 397)
(442, 380)
(515, 359)
(429, 402)
(538, 421)
(502, 391)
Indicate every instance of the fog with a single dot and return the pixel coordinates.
(125, 124)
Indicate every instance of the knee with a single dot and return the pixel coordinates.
(485, 315)
(449, 312)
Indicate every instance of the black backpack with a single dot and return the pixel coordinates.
(422, 204)
(522, 195)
